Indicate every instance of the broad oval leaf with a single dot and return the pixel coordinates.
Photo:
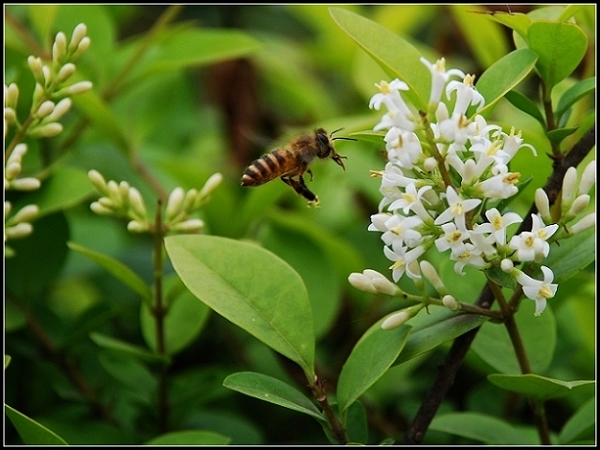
(574, 94)
(560, 46)
(434, 327)
(494, 346)
(190, 437)
(126, 348)
(483, 428)
(372, 355)
(503, 76)
(31, 431)
(539, 387)
(252, 288)
(117, 269)
(271, 390)
(559, 134)
(525, 104)
(396, 56)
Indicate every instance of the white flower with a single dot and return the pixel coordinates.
(538, 291)
(402, 259)
(466, 95)
(467, 254)
(456, 209)
(411, 199)
(439, 78)
(497, 224)
(453, 238)
(403, 147)
(501, 185)
(532, 246)
(400, 230)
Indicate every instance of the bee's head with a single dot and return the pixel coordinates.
(326, 149)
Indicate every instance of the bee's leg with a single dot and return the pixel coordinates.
(310, 173)
(301, 189)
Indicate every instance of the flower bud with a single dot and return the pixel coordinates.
(38, 92)
(136, 226)
(190, 225)
(10, 116)
(137, 204)
(81, 48)
(381, 283)
(18, 153)
(100, 209)
(568, 187)
(79, 88)
(26, 213)
(20, 230)
(46, 131)
(395, 320)
(507, 265)
(47, 76)
(59, 49)
(60, 109)
(35, 64)
(210, 185)
(174, 204)
(588, 221)
(78, 34)
(26, 184)
(579, 204)
(588, 178)
(45, 109)
(451, 303)
(432, 276)
(361, 282)
(65, 72)
(189, 200)
(12, 170)
(98, 181)
(113, 192)
(543, 205)
(7, 208)
(11, 95)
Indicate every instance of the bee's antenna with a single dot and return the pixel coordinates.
(335, 131)
(343, 138)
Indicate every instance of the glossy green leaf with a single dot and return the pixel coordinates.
(502, 76)
(396, 56)
(65, 188)
(117, 269)
(185, 319)
(574, 94)
(272, 390)
(538, 334)
(252, 288)
(31, 432)
(485, 429)
(581, 424)
(525, 104)
(500, 277)
(539, 387)
(560, 47)
(487, 43)
(372, 355)
(433, 328)
(559, 134)
(190, 437)
(120, 346)
(574, 254)
(131, 373)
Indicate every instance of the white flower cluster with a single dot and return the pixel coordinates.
(123, 200)
(443, 183)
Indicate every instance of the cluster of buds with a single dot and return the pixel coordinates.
(124, 201)
(446, 177)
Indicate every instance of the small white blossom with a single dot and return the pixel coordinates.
(538, 291)
(457, 209)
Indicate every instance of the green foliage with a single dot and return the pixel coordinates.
(110, 335)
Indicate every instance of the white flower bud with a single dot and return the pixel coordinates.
(543, 205)
(588, 178)
(395, 320)
(430, 164)
(20, 230)
(361, 282)
(507, 265)
(100, 209)
(190, 225)
(588, 221)
(113, 192)
(137, 227)
(60, 109)
(65, 72)
(12, 170)
(174, 204)
(26, 213)
(10, 116)
(189, 200)
(7, 208)
(35, 64)
(47, 75)
(18, 153)
(11, 95)
(569, 187)
(46, 131)
(81, 48)
(79, 88)
(381, 283)
(59, 49)
(432, 276)
(137, 204)
(107, 203)
(124, 192)
(98, 181)
(450, 303)
(26, 184)
(579, 204)
(45, 109)
(38, 92)
(78, 34)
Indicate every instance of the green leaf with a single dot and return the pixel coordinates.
(539, 387)
(42, 18)
(434, 327)
(525, 104)
(132, 374)
(573, 95)
(118, 269)
(252, 288)
(396, 56)
(560, 47)
(372, 355)
(574, 254)
(185, 319)
(190, 437)
(538, 334)
(518, 22)
(483, 428)
(31, 432)
(135, 351)
(487, 43)
(356, 424)
(502, 76)
(559, 134)
(500, 277)
(272, 390)
(581, 424)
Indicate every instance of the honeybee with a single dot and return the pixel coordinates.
(291, 161)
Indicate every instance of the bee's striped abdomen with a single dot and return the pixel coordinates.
(269, 167)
